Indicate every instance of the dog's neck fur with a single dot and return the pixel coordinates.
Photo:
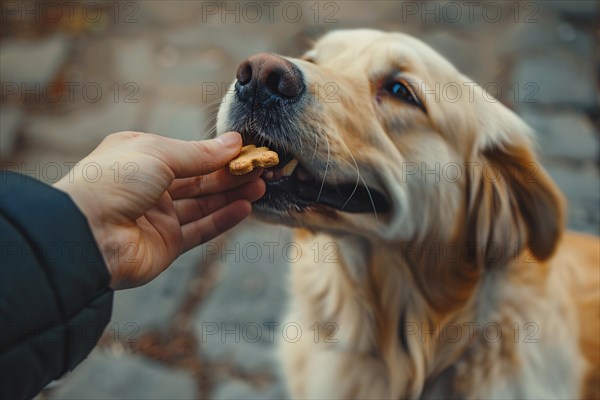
(398, 324)
(411, 323)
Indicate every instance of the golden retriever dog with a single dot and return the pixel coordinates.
(453, 276)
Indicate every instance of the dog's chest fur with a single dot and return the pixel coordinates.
(379, 339)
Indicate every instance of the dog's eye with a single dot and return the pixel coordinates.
(402, 92)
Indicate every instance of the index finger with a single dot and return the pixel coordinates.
(193, 158)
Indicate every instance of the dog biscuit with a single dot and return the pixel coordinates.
(253, 157)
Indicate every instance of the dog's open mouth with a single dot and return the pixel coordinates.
(291, 185)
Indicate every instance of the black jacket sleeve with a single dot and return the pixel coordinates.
(54, 295)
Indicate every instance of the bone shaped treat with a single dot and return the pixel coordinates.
(253, 157)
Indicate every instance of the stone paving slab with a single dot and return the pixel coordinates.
(11, 118)
(534, 38)
(573, 7)
(239, 322)
(582, 190)
(24, 61)
(559, 80)
(154, 304)
(240, 390)
(107, 376)
(83, 131)
(133, 60)
(178, 121)
(564, 134)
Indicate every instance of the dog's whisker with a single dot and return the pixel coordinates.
(210, 132)
(359, 178)
(370, 198)
(316, 146)
(210, 125)
(357, 172)
(211, 107)
(209, 122)
(326, 169)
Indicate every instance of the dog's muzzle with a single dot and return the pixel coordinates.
(265, 78)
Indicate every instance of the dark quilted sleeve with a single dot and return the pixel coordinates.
(54, 295)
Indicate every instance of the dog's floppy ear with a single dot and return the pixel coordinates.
(513, 203)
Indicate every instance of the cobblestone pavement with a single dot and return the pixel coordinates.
(207, 326)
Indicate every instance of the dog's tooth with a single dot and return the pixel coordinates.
(268, 175)
(289, 168)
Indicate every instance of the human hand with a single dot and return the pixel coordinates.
(177, 195)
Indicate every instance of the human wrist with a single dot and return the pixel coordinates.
(83, 199)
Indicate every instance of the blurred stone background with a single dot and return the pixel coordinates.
(73, 72)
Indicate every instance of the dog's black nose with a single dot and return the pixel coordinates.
(263, 76)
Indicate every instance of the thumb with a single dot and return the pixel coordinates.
(202, 157)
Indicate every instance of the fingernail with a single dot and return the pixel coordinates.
(229, 139)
